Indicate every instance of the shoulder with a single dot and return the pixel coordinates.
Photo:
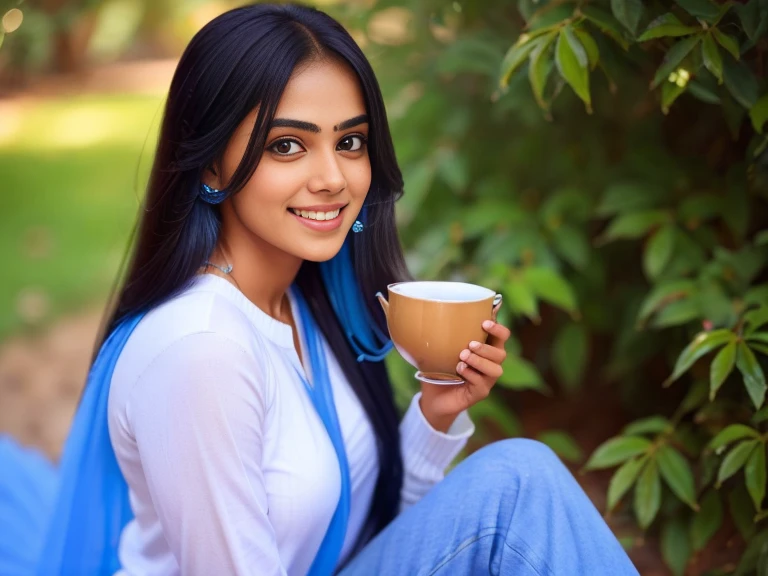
(198, 331)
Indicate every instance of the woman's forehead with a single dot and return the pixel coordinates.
(325, 93)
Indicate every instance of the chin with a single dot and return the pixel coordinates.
(321, 253)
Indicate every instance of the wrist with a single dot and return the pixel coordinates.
(440, 422)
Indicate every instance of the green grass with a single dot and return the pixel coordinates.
(72, 173)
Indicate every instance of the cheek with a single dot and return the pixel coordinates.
(273, 183)
(359, 178)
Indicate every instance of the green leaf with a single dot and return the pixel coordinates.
(735, 459)
(650, 425)
(634, 224)
(563, 445)
(670, 91)
(721, 367)
(700, 9)
(418, 179)
(675, 547)
(590, 46)
(677, 314)
(514, 58)
(572, 244)
(606, 23)
(761, 415)
(648, 495)
(661, 295)
(757, 337)
(540, 67)
(677, 474)
(551, 287)
(617, 450)
(754, 379)
(751, 20)
(759, 116)
(702, 344)
(658, 251)
(761, 238)
(623, 479)
(519, 374)
(520, 298)
(694, 398)
(731, 434)
(571, 60)
(712, 58)
(742, 511)
(629, 196)
(755, 554)
(754, 319)
(727, 42)
(666, 26)
(673, 58)
(494, 409)
(628, 12)
(707, 521)
(755, 475)
(570, 354)
(740, 81)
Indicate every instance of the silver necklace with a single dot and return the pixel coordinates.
(224, 270)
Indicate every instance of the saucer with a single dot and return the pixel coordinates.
(439, 379)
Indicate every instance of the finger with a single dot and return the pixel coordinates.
(483, 365)
(498, 332)
(479, 385)
(492, 353)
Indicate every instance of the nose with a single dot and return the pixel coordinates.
(327, 175)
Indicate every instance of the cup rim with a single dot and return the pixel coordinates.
(491, 293)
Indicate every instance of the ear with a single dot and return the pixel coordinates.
(211, 177)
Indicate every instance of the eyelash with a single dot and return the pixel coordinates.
(271, 147)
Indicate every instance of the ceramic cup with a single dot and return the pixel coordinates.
(430, 323)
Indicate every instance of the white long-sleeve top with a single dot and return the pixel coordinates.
(229, 467)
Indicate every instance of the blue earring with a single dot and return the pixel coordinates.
(358, 226)
(211, 195)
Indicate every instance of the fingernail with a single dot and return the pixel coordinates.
(474, 345)
(464, 354)
(488, 324)
(460, 367)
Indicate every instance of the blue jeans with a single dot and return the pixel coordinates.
(510, 508)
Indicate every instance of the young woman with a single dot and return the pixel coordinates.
(238, 418)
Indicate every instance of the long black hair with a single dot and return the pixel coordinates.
(241, 60)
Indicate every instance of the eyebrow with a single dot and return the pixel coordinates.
(314, 128)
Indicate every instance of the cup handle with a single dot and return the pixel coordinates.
(496, 305)
(384, 304)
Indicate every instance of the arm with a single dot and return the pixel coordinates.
(197, 414)
(428, 452)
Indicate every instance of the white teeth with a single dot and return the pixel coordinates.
(312, 215)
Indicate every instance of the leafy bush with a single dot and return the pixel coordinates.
(608, 171)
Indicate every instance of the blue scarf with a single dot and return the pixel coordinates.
(92, 505)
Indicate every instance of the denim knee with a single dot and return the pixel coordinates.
(504, 460)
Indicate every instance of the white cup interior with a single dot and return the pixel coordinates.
(442, 291)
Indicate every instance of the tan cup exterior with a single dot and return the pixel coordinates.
(430, 334)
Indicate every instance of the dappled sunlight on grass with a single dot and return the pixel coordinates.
(80, 122)
(73, 173)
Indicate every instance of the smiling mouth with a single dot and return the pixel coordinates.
(315, 215)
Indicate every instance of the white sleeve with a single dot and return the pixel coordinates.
(428, 452)
(197, 413)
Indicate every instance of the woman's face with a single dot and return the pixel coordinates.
(315, 172)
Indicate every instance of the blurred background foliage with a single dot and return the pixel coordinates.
(603, 164)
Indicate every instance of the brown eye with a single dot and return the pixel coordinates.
(286, 147)
(350, 144)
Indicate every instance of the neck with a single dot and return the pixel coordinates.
(262, 272)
